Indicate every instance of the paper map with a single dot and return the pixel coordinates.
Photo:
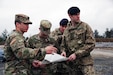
(51, 58)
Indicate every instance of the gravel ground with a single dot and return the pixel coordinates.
(103, 61)
(103, 66)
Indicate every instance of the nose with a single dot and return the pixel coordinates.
(64, 28)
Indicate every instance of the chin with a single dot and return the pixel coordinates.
(25, 31)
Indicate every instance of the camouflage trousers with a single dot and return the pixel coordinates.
(72, 68)
(39, 71)
(62, 69)
(13, 71)
(47, 70)
(15, 68)
(82, 70)
(88, 70)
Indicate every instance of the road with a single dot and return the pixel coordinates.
(103, 62)
(1, 68)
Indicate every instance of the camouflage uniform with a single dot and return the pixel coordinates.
(79, 39)
(62, 68)
(57, 35)
(36, 42)
(17, 55)
(58, 32)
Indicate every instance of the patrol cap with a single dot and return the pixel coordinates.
(22, 18)
(73, 10)
(45, 26)
(63, 22)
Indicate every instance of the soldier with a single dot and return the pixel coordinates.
(78, 39)
(16, 53)
(62, 68)
(42, 39)
(58, 32)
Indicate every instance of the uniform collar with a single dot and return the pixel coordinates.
(18, 32)
(71, 27)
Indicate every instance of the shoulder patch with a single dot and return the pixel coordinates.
(12, 41)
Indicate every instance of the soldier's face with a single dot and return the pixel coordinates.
(62, 28)
(75, 18)
(44, 33)
(24, 27)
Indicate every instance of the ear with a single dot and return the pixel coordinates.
(17, 24)
(69, 15)
(39, 29)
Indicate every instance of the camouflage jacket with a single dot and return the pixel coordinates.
(16, 53)
(79, 39)
(57, 35)
(36, 41)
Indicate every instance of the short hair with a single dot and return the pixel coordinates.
(73, 10)
(17, 21)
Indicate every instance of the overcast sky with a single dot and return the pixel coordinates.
(97, 13)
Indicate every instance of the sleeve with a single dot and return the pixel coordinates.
(31, 42)
(63, 45)
(57, 46)
(20, 51)
(53, 35)
(88, 45)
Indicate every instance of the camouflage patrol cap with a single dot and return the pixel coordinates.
(45, 26)
(22, 18)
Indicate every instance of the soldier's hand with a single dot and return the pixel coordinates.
(36, 63)
(72, 57)
(63, 54)
(42, 65)
(50, 49)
